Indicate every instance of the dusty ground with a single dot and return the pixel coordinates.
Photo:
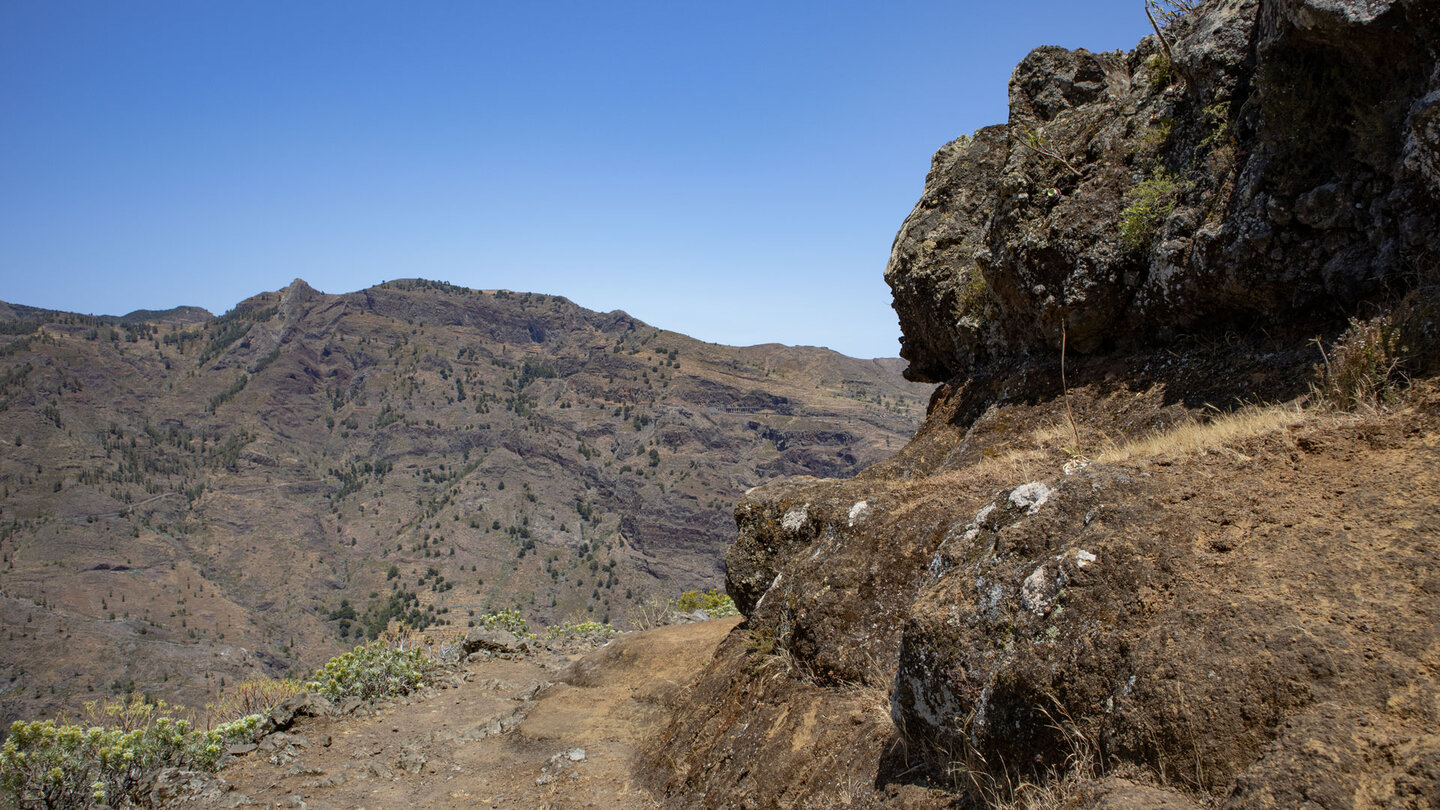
(549, 731)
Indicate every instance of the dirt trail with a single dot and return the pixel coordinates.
(547, 731)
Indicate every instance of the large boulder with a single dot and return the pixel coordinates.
(1283, 167)
(483, 639)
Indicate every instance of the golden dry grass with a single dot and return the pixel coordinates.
(1193, 437)
(254, 695)
(1045, 449)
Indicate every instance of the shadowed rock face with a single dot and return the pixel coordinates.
(1284, 167)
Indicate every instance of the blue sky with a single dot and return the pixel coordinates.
(735, 171)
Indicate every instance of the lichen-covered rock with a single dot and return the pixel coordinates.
(1284, 166)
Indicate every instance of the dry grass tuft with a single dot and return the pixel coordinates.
(1001, 788)
(1194, 437)
(255, 695)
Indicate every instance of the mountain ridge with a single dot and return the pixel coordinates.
(242, 475)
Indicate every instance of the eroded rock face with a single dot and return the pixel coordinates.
(1249, 626)
(1285, 166)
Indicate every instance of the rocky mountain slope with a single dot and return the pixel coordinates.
(1167, 535)
(187, 499)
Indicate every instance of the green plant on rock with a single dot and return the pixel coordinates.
(1160, 71)
(718, 605)
(1035, 141)
(1163, 14)
(972, 295)
(1153, 139)
(1148, 204)
(1218, 115)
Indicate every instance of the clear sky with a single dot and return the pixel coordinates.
(735, 171)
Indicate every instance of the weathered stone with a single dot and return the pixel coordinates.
(305, 704)
(497, 641)
(1290, 154)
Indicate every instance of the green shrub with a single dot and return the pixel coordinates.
(510, 620)
(568, 629)
(370, 671)
(1161, 71)
(43, 764)
(1148, 205)
(713, 602)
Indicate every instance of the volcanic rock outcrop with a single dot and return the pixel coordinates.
(1282, 167)
(1097, 569)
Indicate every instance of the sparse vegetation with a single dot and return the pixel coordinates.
(370, 671)
(571, 629)
(45, 764)
(717, 604)
(360, 471)
(1147, 207)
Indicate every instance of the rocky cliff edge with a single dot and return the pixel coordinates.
(1109, 570)
(1266, 163)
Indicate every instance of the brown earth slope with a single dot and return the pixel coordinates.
(1242, 610)
(183, 503)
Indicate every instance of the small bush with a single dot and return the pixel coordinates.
(568, 629)
(1148, 206)
(713, 602)
(256, 695)
(510, 620)
(653, 612)
(370, 671)
(1361, 370)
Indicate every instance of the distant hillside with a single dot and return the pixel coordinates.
(21, 318)
(187, 503)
